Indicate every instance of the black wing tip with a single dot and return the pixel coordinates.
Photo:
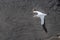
(45, 28)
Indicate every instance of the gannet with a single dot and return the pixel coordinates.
(42, 17)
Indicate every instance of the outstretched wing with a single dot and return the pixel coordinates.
(43, 23)
(42, 20)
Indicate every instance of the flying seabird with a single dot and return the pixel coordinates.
(42, 17)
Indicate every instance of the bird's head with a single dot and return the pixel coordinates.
(34, 11)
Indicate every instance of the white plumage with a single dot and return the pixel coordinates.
(40, 15)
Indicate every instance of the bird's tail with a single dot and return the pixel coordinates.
(44, 27)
